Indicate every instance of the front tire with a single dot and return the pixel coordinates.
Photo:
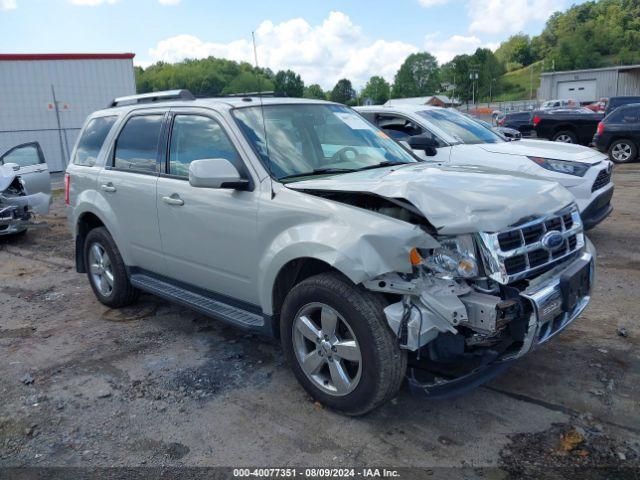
(106, 270)
(336, 338)
(565, 136)
(623, 151)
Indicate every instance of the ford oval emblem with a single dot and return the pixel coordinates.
(552, 240)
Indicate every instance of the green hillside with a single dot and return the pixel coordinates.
(516, 85)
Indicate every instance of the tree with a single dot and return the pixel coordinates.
(314, 91)
(418, 76)
(248, 82)
(343, 92)
(288, 84)
(489, 72)
(377, 89)
(516, 50)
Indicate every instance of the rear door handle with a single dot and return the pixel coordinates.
(174, 199)
(108, 187)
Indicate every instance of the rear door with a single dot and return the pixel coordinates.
(127, 185)
(32, 169)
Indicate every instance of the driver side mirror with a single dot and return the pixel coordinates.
(216, 173)
(424, 142)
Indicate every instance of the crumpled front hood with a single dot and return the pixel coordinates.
(455, 199)
(545, 149)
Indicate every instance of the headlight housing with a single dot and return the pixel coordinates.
(561, 166)
(455, 258)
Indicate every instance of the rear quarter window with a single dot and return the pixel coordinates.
(91, 140)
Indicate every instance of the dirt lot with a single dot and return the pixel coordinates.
(159, 385)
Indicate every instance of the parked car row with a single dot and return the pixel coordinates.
(380, 245)
(559, 121)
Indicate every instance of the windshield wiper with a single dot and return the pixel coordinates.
(380, 165)
(319, 171)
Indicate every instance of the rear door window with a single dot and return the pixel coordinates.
(92, 139)
(137, 145)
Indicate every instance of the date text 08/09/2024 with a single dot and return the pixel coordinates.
(316, 473)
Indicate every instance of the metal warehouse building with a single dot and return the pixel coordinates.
(590, 85)
(47, 97)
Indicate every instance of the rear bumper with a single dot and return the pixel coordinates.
(599, 209)
(549, 317)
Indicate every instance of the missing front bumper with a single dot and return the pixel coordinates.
(550, 314)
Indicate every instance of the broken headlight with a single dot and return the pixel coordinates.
(455, 258)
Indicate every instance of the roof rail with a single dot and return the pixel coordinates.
(269, 93)
(153, 97)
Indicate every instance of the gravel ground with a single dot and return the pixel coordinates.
(159, 385)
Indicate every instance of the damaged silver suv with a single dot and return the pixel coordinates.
(299, 219)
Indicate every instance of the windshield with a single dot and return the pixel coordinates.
(463, 129)
(317, 139)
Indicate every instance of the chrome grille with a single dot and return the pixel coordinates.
(520, 252)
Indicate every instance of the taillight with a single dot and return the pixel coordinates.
(501, 122)
(536, 120)
(600, 128)
(67, 185)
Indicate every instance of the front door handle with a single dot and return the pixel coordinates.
(108, 187)
(174, 199)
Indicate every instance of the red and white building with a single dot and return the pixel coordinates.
(46, 97)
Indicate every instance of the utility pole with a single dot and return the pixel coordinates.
(453, 65)
(531, 82)
(473, 76)
(490, 89)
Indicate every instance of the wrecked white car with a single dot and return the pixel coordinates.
(298, 219)
(25, 188)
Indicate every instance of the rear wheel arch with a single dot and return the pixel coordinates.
(86, 222)
(569, 129)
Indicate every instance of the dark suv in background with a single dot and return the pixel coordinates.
(618, 134)
(615, 102)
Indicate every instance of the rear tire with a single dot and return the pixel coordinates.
(623, 151)
(565, 136)
(374, 367)
(106, 270)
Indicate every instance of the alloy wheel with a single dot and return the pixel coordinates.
(101, 269)
(621, 152)
(326, 349)
(564, 139)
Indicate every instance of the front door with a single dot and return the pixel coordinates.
(208, 235)
(401, 128)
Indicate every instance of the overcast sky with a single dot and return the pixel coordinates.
(323, 40)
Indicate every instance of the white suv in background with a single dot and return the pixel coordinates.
(447, 137)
